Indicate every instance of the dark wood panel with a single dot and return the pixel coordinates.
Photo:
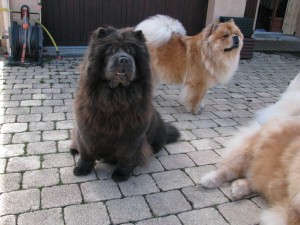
(250, 9)
(71, 21)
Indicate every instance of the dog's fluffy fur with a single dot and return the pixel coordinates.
(114, 114)
(198, 62)
(265, 158)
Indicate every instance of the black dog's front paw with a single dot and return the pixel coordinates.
(118, 176)
(81, 171)
(73, 151)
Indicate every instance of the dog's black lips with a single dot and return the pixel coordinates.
(120, 78)
(235, 44)
(231, 48)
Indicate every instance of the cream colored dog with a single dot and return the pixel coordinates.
(198, 62)
(265, 158)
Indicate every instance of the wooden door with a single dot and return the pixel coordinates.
(71, 21)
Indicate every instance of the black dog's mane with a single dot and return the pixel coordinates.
(117, 123)
(98, 102)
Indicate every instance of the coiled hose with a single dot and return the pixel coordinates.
(44, 28)
(30, 37)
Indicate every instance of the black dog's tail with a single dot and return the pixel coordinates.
(172, 133)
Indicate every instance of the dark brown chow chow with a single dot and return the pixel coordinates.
(115, 119)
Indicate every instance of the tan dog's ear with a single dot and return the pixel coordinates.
(231, 20)
(214, 26)
(210, 28)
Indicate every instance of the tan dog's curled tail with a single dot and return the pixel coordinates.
(158, 29)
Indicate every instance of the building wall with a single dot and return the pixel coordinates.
(298, 27)
(2, 29)
(4, 24)
(217, 8)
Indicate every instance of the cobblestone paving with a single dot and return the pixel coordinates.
(37, 185)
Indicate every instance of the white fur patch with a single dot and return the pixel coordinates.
(211, 180)
(274, 216)
(245, 133)
(159, 29)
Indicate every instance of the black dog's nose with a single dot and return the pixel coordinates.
(235, 40)
(123, 60)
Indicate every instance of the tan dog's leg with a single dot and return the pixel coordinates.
(192, 94)
(236, 163)
(224, 173)
(294, 178)
(240, 188)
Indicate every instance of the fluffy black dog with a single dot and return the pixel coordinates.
(115, 118)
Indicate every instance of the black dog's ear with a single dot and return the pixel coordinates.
(102, 32)
(139, 34)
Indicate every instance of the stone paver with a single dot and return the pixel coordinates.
(19, 201)
(128, 209)
(204, 157)
(201, 197)
(180, 147)
(11, 150)
(45, 217)
(36, 148)
(168, 203)
(92, 214)
(172, 180)
(140, 185)
(14, 127)
(17, 164)
(169, 220)
(153, 165)
(36, 169)
(2, 165)
(208, 216)
(240, 212)
(100, 190)
(60, 196)
(57, 160)
(40, 178)
(10, 182)
(179, 161)
(8, 220)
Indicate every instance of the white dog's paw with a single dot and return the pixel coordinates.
(211, 180)
(240, 188)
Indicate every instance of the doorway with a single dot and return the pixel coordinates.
(270, 15)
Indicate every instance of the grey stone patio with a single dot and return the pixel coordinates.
(37, 185)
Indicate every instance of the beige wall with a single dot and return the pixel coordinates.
(298, 27)
(4, 21)
(217, 8)
(2, 29)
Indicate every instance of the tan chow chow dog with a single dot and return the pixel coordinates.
(265, 158)
(198, 62)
